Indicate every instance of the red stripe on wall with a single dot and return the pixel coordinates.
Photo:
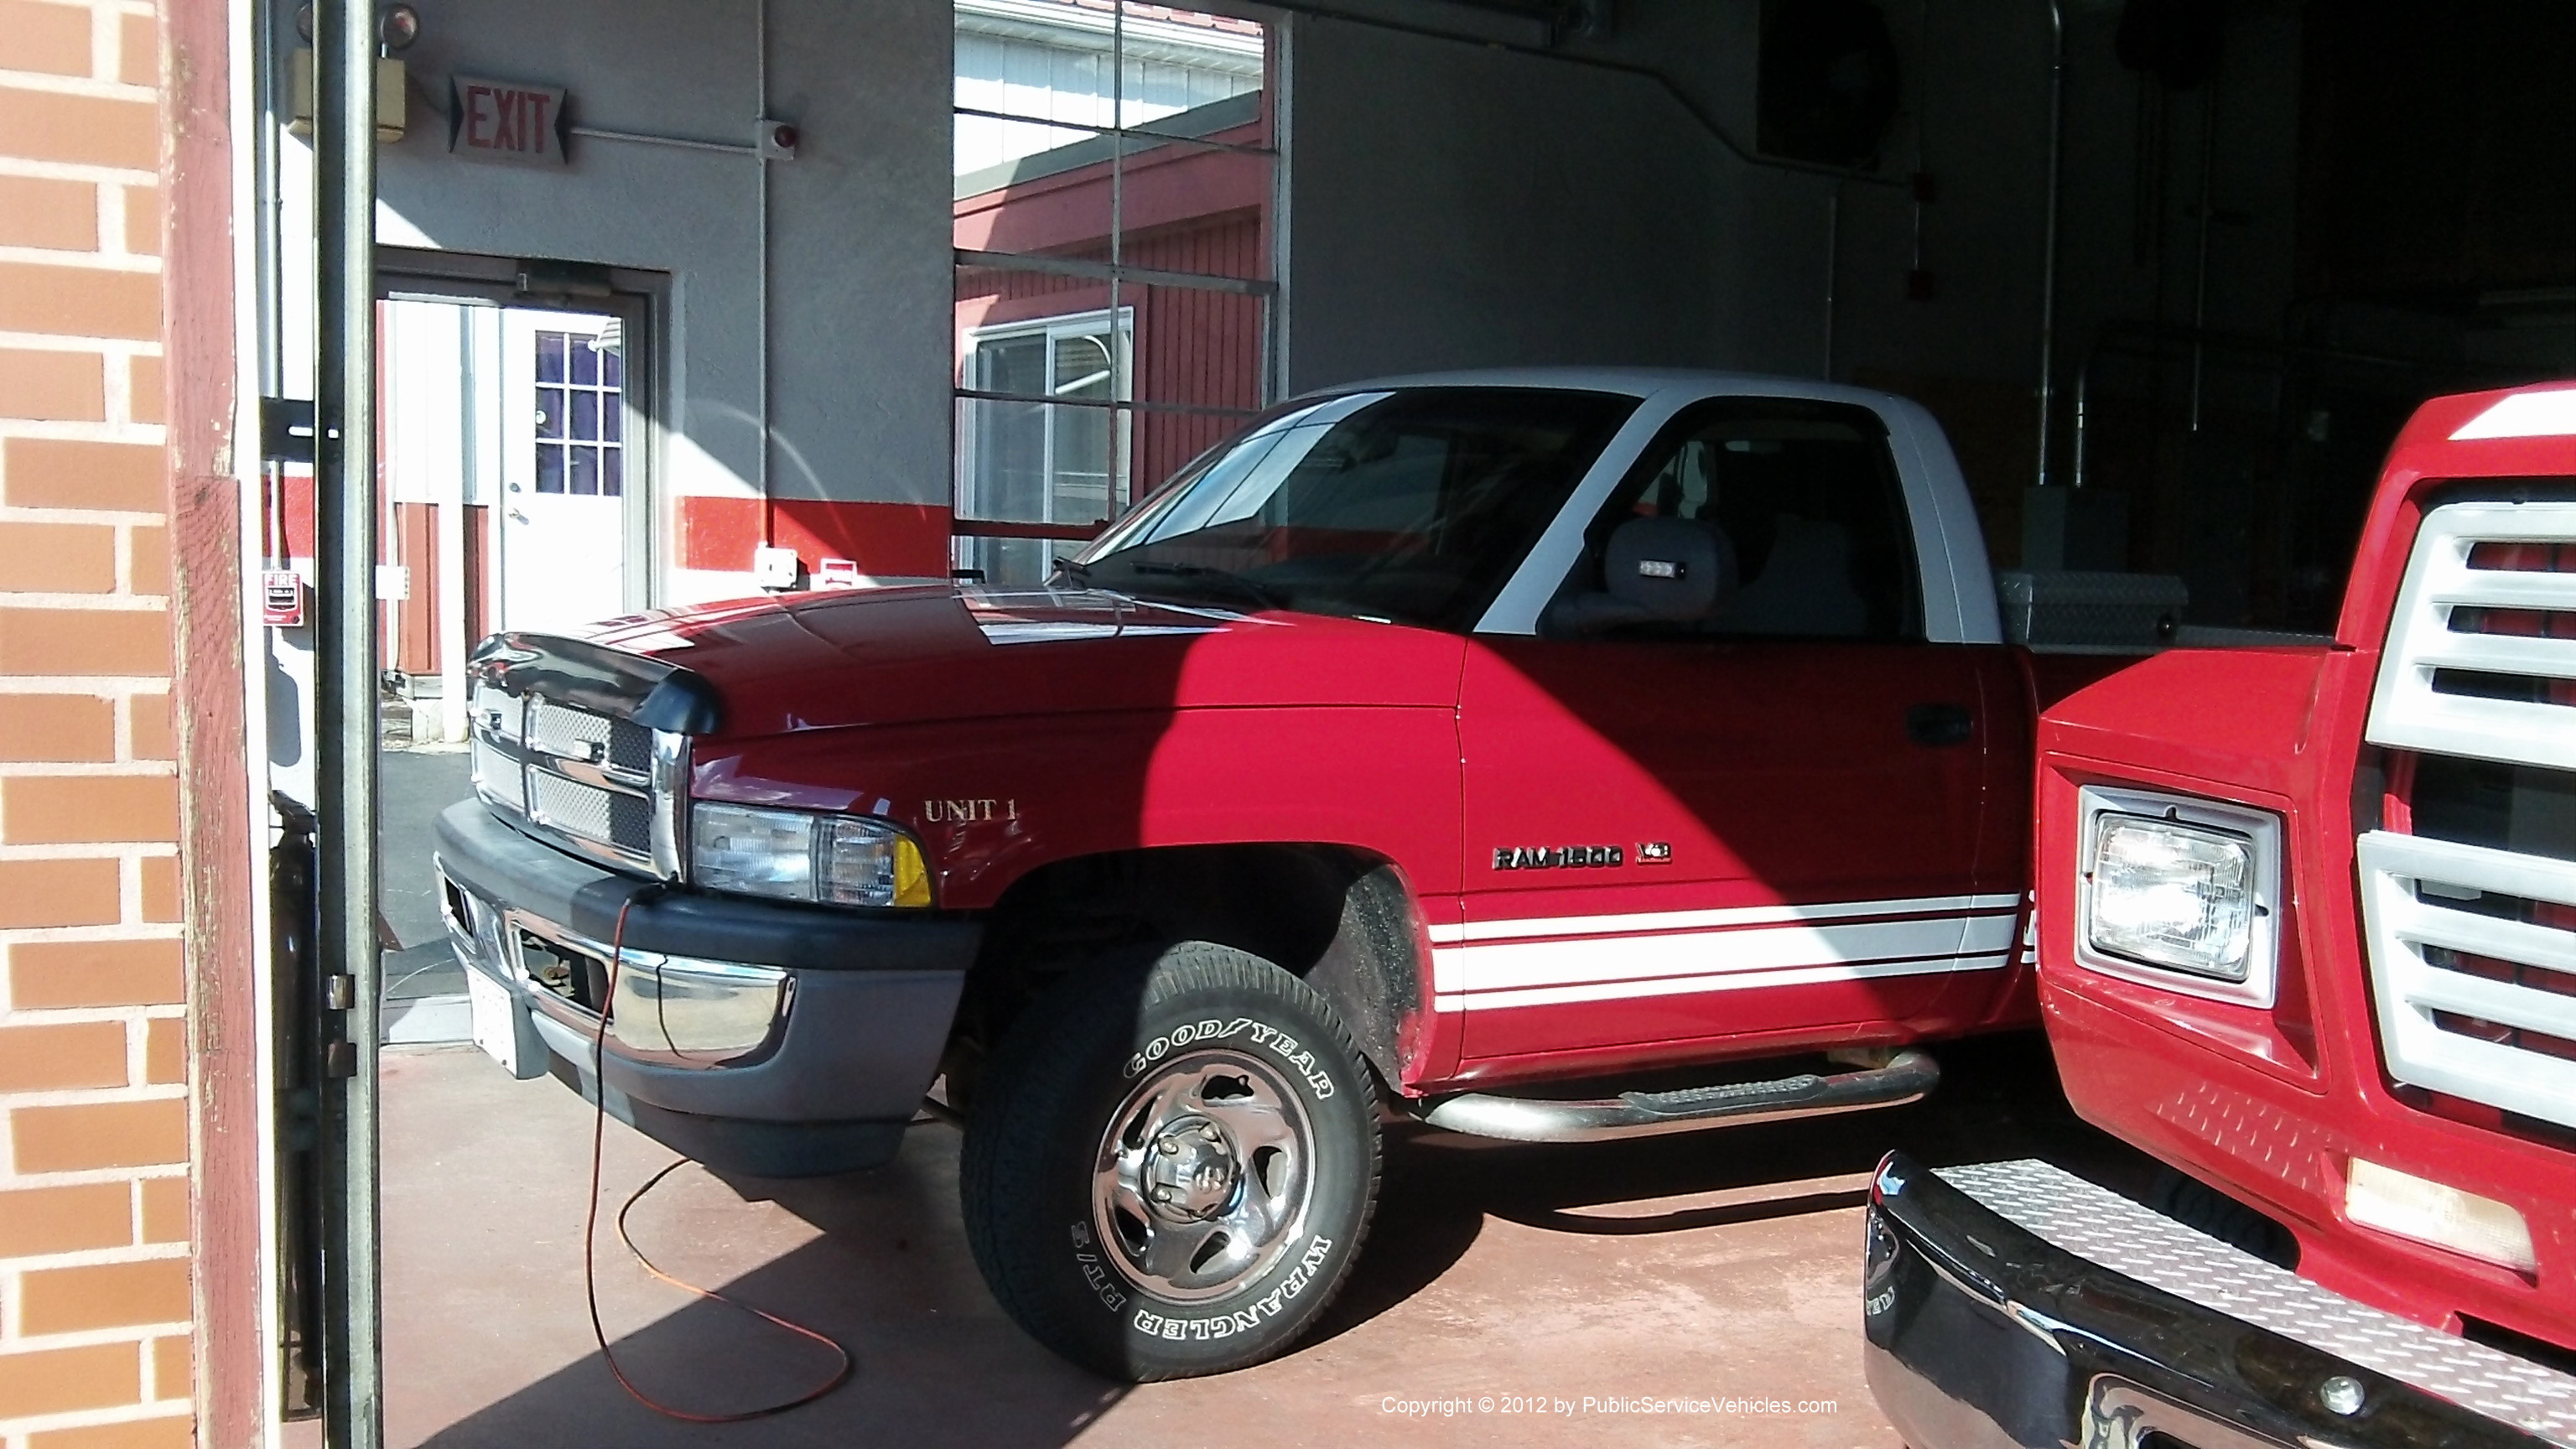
(887, 539)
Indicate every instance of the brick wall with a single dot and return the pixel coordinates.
(95, 1297)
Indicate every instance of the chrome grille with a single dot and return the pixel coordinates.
(578, 779)
(2472, 942)
(567, 805)
(499, 776)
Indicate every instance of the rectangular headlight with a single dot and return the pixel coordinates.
(2180, 892)
(2171, 894)
(797, 855)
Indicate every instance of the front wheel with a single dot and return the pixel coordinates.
(1171, 1164)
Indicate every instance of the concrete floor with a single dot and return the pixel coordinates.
(413, 786)
(1718, 1265)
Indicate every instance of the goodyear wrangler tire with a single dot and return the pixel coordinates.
(1171, 1164)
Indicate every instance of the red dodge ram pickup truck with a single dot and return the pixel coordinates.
(2307, 933)
(1430, 748)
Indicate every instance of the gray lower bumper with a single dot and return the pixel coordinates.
(2012, 1304)
(773, 1039)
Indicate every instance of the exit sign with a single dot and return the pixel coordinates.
(493, 120)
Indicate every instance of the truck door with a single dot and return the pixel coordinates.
(1761, 826)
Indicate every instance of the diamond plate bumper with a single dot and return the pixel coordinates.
(2012, 1303)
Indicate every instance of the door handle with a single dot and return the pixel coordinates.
(1940, 724)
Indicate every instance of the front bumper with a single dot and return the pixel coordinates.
(2012, 1304)
(771, 1039)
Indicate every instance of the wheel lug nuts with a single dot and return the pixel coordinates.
(1208, 1131)
(1166, 1146)
(1162, 1194)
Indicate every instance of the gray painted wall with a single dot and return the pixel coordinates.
(858, 227)
(1453, 205)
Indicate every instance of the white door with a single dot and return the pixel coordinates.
(564, 473)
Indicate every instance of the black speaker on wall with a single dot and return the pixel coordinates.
(1827, 87)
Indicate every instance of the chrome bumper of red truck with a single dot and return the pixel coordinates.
(2015, 1304)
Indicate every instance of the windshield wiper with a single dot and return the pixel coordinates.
(1074, 569)
(1259, 594)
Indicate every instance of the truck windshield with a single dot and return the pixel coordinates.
(1408, 506)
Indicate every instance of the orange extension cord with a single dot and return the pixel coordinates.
(590, 1233)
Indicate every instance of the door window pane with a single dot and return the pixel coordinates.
(580, 400)
(1806, 498)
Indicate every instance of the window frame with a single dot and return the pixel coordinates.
(976, 390)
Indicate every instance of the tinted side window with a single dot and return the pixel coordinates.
(1809, 499)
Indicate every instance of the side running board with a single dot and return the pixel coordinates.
(1905, 1078)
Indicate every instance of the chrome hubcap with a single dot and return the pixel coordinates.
(1203, 1177)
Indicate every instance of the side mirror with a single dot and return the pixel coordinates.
(1654, 570)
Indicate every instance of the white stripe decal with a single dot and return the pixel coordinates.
(1696, 953)
(1522, 964)
(1444, 935)
(1724, 981)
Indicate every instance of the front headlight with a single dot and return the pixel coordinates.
(2175, 886)
(797, 855)
(2173, 895)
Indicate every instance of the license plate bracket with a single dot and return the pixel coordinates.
(495, 1022)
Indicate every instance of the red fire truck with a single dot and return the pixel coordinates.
(2307, 934)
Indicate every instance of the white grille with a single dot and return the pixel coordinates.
(2455, 985)
(2446, 623)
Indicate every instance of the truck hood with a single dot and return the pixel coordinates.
(833, 659)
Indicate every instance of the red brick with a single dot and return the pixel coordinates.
(161, 889)
(77, 301)
(57, 728)
(165, 1209)
(143, 220)
(55, 215)
(138, 62)
(173, 1433)
(85, 642)
(66, 1380)
(51, 387)
(84, 130)
(58, 893)
(55, 1057)
(53, 975)
(173, 1367)
(58, 558)
(103, 1295)
(38, 1220)
(49, 38)
(118, 477)
(88, 809)
(100, 1134)
(155, 729)
(145, 399)
(151, 573)
(165, 1051)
